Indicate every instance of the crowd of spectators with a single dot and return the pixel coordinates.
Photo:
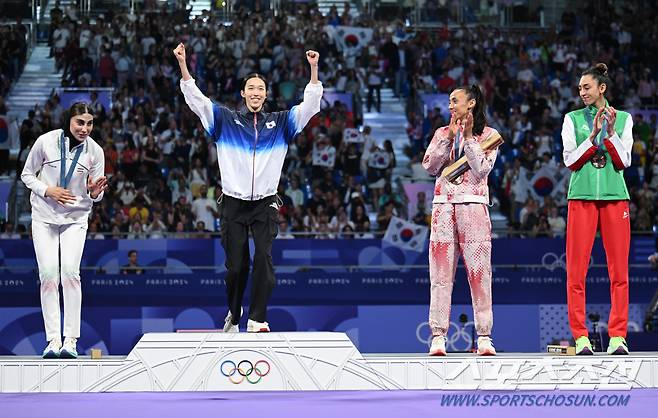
(13, 50)
(163, 169)
(530, 78)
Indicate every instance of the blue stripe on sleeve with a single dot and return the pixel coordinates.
(291, 127)
(215, 125)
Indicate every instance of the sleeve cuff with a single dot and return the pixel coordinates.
(613, 145)
(41, 190)
(98, 198)
(314, 88)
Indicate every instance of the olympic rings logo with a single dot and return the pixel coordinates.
(244, 370)
(551, 261)
(458, 339)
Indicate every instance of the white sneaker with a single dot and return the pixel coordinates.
(228, 323)
(69, 349)
(53, 349)
(254, 326)
(485, 346)
(438, 347)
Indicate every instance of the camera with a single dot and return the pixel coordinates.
(595, 337)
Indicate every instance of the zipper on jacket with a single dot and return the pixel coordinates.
(253, 165)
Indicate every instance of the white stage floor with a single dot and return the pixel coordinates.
(314, 361)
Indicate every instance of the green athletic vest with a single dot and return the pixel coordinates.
(591, 183)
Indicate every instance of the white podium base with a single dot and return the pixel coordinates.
(313, 361)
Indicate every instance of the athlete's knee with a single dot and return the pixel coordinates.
(70, 277)
(49, 278)
(236, 270)
(262, 257)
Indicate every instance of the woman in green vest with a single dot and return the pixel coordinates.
(597, 143)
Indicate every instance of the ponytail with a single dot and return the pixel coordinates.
(473, 92)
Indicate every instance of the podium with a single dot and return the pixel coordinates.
(313, 361)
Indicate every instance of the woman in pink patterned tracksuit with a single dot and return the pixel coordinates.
(460, 218)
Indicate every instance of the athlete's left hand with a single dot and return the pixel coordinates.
(96, 187)
(313, 57)
(468, 125)
(610, 116)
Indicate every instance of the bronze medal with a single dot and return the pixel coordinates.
(599, 160)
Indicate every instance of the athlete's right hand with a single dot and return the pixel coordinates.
(453, 128)
(60, 194)
(598, 123)
(179, 53)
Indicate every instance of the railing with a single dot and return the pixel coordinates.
(469, 12)
(325, 235)
(224, 13)
(85, 7)
(302, 267)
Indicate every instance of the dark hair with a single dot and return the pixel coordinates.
(479, 116)
(249, 77)
(131, 252)
(78, 108)
(599, 72)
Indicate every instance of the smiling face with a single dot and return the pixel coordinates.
(254, 94)
(81, 126)
(590, 90)
(460, 104)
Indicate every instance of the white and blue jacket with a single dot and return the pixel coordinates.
(251, 147)
(43, 169)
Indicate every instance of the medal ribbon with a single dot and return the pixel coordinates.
(64, 176)
(457, 145)
(604, 127)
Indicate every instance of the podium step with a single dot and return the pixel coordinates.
(313, 361)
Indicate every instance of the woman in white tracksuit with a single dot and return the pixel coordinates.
(64, 170)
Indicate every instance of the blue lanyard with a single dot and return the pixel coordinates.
(604, 127)
(457, 144)
(65, 178)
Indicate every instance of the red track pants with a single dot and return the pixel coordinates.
(613, 219)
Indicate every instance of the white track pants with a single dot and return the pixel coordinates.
(59, 250)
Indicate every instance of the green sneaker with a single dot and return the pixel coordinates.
(617, 346)
(583, 346)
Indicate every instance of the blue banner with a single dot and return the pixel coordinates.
(373, 328)
(73, 95)
(182, 255)
(510, 286)
(335, 272)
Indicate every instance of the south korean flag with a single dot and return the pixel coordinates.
(379, 159)
(406, 235)
(324, 156)
(352, 135)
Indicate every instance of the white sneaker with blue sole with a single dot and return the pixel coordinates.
(69, 349)
(53, 348)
